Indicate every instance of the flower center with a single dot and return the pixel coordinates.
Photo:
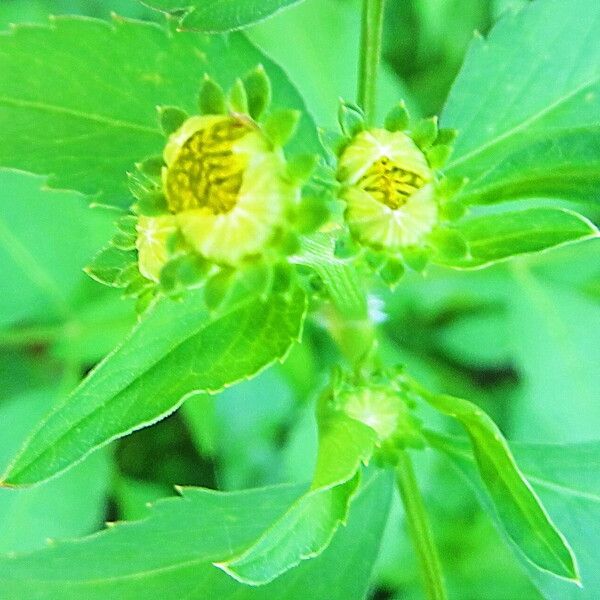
(389, 183)
(207, 172)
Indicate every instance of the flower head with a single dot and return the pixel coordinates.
(388, 189)
(221, 205)
(397, 202)
(226, 186)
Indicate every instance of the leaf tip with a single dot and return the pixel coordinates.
(225, 566)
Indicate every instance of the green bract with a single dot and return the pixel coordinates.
(397, 203)
(220, 203)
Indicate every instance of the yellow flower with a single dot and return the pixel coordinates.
(153, 234)
(376, 407)
(225, 185)
(388, 187)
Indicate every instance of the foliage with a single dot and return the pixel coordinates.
(333, 352)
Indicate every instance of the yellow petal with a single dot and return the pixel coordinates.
(371, 145)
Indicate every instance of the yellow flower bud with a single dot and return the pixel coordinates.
(225, 184)
(388, 187)
(380, 409)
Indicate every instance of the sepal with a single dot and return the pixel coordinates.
(170, 118)
(351, 118)
(238, 98)
(281, 126)
(398, 119)
(211, 100)
(424, 132)
(258, 92)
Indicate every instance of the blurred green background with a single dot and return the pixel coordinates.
(517, 338)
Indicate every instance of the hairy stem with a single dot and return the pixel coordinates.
(370, 53)
(420, 530)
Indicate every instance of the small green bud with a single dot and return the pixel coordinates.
(256, 278)
(151, 166)
(127, 224)
(392, 272)
(345, 247)
(311, 214)
(137, 287)
(281, 126)
(398, 118)
(448, 187)
(301, 167)
(109, 264)
(449, 243)
(446, 137)
(144, 301)
(374, 259)
(238, 99)
(438, 155)
(217, 288)
(258, 92)
(183, 272)
(283, 274)
(123, 241)
(128, 275)
(333, 141)
(452, 210)
(152, 204)
(425, 132)
(170, 118)
(351, 118)
(415, 258)
(212, 98)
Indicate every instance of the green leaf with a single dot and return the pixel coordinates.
(176, 351)
(565, 164)
(216, 16)
(567, 479)
(57, 509)
(500, 236)
(187, 535)
(551, 326)
(308, 526)
(527, 106)
(517, 506)
(40, 274)
(300, 40)
(94, 113)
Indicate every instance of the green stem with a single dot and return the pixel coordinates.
(420, 530)
(370, 53)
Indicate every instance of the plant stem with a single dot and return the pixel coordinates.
(420, 530)
(370, 53)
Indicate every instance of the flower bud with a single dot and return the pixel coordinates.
(388, 187)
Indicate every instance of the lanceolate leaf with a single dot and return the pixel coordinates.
(499, 236)
(307, 527)
(568, 480)
(565, 164)
(87, 120)
(517, 506)
(184, 536)
(527, 106)
(178, 349)
(213, 16)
